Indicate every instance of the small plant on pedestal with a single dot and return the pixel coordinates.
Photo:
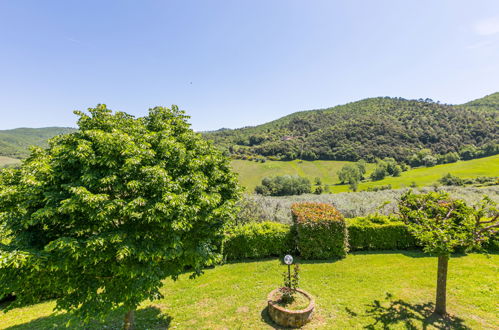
(290, 284)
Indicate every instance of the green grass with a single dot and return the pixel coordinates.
(252, 173)
(8, 161)
(391, 289)
(424, 176)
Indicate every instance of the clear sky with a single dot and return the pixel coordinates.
(238, 63)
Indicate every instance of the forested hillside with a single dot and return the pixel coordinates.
(16, 142)
(369, 129)
(489, 103)
(372, 128)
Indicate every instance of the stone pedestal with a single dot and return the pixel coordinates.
(290, 318)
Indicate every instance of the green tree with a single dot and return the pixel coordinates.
(380, 171)
(361, 165)
(429, 161)
(106, 213)
(468, 152)
(353, 185)
(442, 224)
(350, 173)
(284, 185)
(318, 189)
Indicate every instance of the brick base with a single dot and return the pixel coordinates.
(290, 318)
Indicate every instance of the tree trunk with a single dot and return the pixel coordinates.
(129, 320)
(440, 305)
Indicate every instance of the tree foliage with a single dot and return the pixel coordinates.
(442, 224)
(105, 213)
(352, 174)
(284, 185)
(386, 167)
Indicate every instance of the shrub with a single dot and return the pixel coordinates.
(379, 188)
(493, 244)
(321, 231)
(378, 232)
(250, 210)
(257, 240)
(451, 180)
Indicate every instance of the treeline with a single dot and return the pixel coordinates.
(372, 129)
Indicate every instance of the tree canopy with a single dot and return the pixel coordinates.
(105, 213)
(284, 185)
(443, 224)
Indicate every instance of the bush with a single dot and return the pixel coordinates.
(451, 180)
(257, 240)
(321, 231)
(493, 244)
(284, 185)
(378, 232)
(379, 188)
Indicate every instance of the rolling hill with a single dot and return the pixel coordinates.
(369, 129)
(489, 103)
(15, 143)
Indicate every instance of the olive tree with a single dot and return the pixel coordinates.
(104, 214)
(442, 224)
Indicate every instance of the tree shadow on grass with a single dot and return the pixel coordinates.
(412, 316)
(146, 318)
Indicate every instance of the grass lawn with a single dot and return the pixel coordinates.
(387, 289)
(8, 161)
(252, 173)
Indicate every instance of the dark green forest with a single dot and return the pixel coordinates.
(371, 129)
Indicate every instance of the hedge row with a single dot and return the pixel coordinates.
(257, 240)
(321, 232)
(379, 232)
(265, 239)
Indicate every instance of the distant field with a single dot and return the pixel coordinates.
(423, 176)
(8, 161)
(252, 173)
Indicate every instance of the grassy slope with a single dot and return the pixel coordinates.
(252, 173)
(16, 142)
(350, 293)
(423, 176)
(8, 161)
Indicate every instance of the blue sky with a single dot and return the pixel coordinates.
(238, 63)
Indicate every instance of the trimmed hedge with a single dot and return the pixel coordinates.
(378, 232)
(321, 232)
(374, 232)
(257, 240)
